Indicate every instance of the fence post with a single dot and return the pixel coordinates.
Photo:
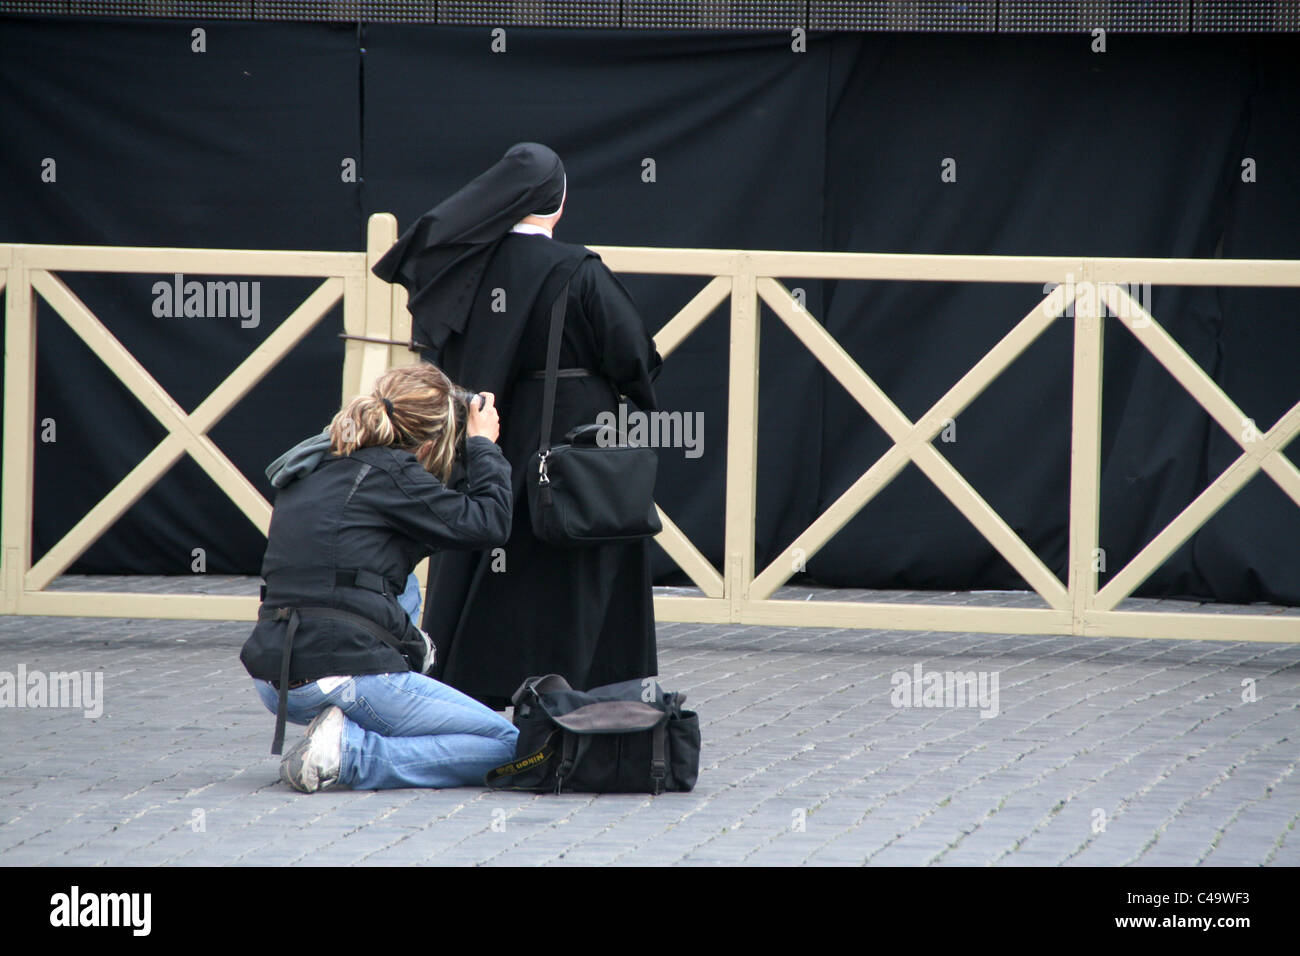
(742, 438)
(368, 311)
(1085, 447)
(19, 434)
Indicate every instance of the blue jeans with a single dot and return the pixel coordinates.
(405, 730)
(410, 599)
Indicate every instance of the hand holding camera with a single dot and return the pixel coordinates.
(483, 418)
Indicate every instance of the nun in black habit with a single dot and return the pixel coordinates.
(482, 272)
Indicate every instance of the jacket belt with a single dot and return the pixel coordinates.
(559, 373)
(343, 577)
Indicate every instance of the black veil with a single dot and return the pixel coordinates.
(440, 259)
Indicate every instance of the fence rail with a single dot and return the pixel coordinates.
(374, 315)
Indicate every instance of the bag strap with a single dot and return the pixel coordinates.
(277, 742)
(497, 777)
(659, 758)
(538, 686)
(552, 368)
(568, 757)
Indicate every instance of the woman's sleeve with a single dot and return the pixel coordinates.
(627, 351)
(440, 518)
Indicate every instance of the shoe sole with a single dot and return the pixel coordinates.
(292, 763)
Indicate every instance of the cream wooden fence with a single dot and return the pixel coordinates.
(375, 316)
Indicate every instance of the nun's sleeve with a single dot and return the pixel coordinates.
(628, 357)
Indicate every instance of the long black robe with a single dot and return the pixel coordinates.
(585, 613)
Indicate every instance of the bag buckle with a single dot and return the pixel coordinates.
(658, 775)
(542, 477)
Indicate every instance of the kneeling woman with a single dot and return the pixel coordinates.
(332, 645)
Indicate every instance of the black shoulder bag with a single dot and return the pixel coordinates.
(593, 489)
(630, 737)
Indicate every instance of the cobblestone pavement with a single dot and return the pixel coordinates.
(1101, 752)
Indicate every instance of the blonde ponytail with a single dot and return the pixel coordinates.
(412, 407)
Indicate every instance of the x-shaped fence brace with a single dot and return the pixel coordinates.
(1263, 451)
(187, 432)
(912, 441)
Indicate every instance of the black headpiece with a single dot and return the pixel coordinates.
(440, 259)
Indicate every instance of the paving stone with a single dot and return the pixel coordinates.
(799, 731)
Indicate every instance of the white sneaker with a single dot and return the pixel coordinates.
(315, 761)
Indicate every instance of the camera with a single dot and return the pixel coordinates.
(461, 398)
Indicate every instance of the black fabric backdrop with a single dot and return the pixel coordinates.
(1058, 151)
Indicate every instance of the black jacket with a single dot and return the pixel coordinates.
(377, 511)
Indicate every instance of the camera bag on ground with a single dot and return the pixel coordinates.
(629, 737)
